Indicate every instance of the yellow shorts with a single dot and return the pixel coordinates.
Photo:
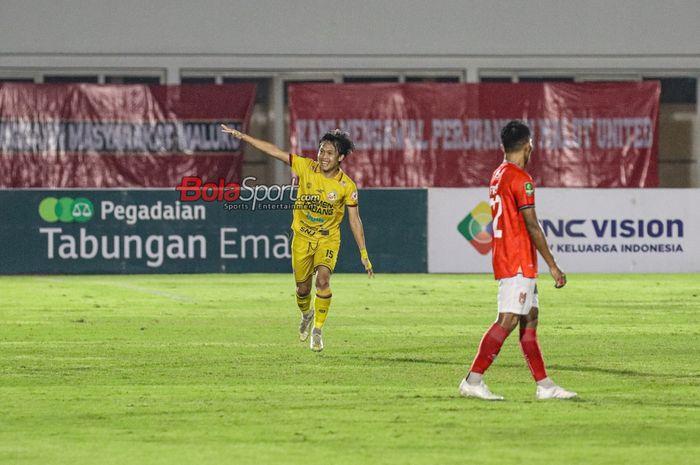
(308, 254)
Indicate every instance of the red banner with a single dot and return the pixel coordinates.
(448, 135)
(87, 135)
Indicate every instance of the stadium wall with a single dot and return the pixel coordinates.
(274, 43)
(415, 230)
(342, 28)
(307, 37)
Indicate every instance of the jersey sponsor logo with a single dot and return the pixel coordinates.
(529, 189)
(314, 219)
(477, 228)
(320, 207)
(308, 231)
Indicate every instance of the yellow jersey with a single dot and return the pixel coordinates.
(321, 201)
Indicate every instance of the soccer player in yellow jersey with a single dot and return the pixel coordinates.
(324, 192)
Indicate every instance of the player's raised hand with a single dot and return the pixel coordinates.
(559, 277)
(267, 147)
(235, 133)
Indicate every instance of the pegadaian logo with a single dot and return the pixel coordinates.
(66, 210)
(477, 228)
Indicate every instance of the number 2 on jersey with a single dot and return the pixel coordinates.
(497, 233)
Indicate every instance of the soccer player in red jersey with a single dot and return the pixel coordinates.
(517, 237)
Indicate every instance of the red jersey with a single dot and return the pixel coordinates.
(511, 189)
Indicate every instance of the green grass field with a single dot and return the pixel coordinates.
(185, 369)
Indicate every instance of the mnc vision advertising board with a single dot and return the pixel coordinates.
(436, 230)
(588, 230)
(155, 231)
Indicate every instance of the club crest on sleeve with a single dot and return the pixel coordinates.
(529, 188)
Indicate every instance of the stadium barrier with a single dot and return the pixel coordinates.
(589, 230)
(407, 230)
(152, 231)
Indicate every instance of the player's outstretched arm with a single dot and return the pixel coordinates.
(268, 148)
(537, 236)
(359, 232)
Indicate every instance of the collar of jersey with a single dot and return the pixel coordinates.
(515, 165)
(337, 177)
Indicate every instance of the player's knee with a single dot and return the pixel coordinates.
(323, 282)
(303, 289)
(530, 320)
(323, 278)
(508, 321)
(510, 325)
(534, 313)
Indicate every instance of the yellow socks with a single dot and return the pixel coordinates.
(304, 303)
(322, 304)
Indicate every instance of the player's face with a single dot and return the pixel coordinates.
(328, 157)
(528, 150)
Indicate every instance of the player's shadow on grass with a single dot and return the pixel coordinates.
(620, 372)
(578, 368)
(409, 360)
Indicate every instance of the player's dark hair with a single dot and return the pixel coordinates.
(514, 135)
(341, 141)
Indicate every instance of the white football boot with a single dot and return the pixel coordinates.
(480, 391)
(305, 325)
(316, 343)
(554, 392)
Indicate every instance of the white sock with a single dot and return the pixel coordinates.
(474, 378)
(546, 383)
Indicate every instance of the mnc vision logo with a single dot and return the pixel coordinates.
(476, 227)
(66, 210)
